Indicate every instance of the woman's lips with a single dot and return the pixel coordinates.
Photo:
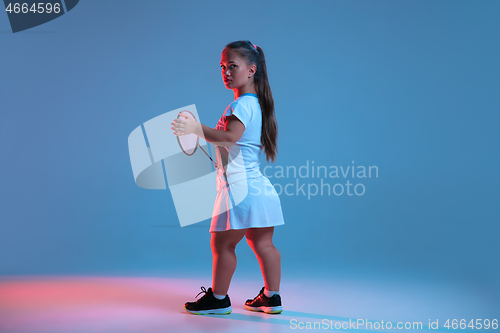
(226, 80)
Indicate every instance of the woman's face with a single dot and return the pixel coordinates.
(235, 72)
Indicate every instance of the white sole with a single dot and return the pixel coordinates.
(266, 309)
(220, 311)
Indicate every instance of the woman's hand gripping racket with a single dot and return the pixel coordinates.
(188, 141)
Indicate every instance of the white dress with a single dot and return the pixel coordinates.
(245, 197)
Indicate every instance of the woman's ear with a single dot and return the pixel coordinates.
(253, 70)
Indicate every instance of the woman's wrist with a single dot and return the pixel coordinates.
(198, 131)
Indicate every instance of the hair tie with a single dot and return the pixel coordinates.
(255, 46)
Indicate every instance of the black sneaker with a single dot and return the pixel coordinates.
(265, 304)
(208, 304)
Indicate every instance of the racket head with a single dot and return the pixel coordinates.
(189, 142)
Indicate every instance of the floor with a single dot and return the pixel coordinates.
(56, 304)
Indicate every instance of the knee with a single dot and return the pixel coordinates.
(223, 247)
(261, 247)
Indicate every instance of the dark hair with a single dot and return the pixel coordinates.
(269, 135)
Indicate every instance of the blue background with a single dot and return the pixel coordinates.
(411, 87)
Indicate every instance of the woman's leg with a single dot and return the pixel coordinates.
(261, 242)
(223, 244)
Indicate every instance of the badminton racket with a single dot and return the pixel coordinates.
(190, 142)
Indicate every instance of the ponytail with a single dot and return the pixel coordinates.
(255, 55)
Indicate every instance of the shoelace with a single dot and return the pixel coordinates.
(203, 290)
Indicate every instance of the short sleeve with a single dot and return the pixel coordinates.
(241, 111)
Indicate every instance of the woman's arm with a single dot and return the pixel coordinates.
(227, 137)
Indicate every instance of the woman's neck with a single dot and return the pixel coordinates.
(244, 90)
